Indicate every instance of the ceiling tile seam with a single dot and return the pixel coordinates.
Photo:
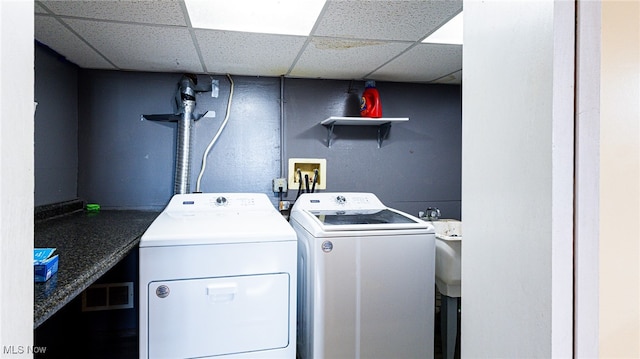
(362, 39)
(392, 59)
(308, 40)
(108, 21)
(320, 16)
(65, 25)
(311, 37)
(194, 38)
(44, 7)
(298, 56)
(439, 26)
(449, 74)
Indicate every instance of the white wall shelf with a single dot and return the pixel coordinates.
(383, 124)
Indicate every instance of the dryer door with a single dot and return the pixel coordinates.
(218, 316)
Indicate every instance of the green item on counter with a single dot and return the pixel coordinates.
(93, 207)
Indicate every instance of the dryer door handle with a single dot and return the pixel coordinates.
(222, 292)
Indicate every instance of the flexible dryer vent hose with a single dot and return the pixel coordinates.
(182, 177)
(182, 181)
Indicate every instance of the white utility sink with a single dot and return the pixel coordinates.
(448, 279)
(448, 253)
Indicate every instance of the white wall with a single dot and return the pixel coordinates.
(517, 179)
(587, 213)
(16, 177)
(619, 252)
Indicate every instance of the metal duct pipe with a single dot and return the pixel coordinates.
(185, 99)
(182, 178)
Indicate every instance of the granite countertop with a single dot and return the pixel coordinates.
(88, 245)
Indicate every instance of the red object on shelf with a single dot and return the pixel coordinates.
(370, 105)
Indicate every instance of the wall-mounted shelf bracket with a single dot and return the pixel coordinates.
(383, 132)
(330, 128)
(383, 124)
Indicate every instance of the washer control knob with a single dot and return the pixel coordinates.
(221, 201)
(341, 199)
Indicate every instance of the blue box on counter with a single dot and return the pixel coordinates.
(44, 264)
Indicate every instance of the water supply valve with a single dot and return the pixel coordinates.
(433, 213)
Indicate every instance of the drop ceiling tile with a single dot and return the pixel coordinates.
(351, 39)
(52, 33)
(410, 20)
(39, 9)
(344, 59)
(165, 12)
(141, 47)
(452, 79)
(422, 63)
(244, 53)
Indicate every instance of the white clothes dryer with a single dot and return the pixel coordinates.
(366, 282)
(218, 278)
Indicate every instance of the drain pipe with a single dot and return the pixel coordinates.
(282, 134)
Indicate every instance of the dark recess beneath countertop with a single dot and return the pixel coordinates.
(88, 245)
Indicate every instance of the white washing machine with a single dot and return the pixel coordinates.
(365, 278)
(218, 278)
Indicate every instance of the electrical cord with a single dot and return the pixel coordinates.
(215, 138)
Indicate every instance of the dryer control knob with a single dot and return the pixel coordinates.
(341, 199)
(221, 201)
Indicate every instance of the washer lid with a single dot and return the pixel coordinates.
(376, 216)
(350, 213)
(365, 220)
(208, 218)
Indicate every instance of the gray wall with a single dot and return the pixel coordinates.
(56, 128)
(418, 165)
(127, 162)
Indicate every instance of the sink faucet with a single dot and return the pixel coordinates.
(433, 213)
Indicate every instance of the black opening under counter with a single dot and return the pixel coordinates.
(88, 244)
